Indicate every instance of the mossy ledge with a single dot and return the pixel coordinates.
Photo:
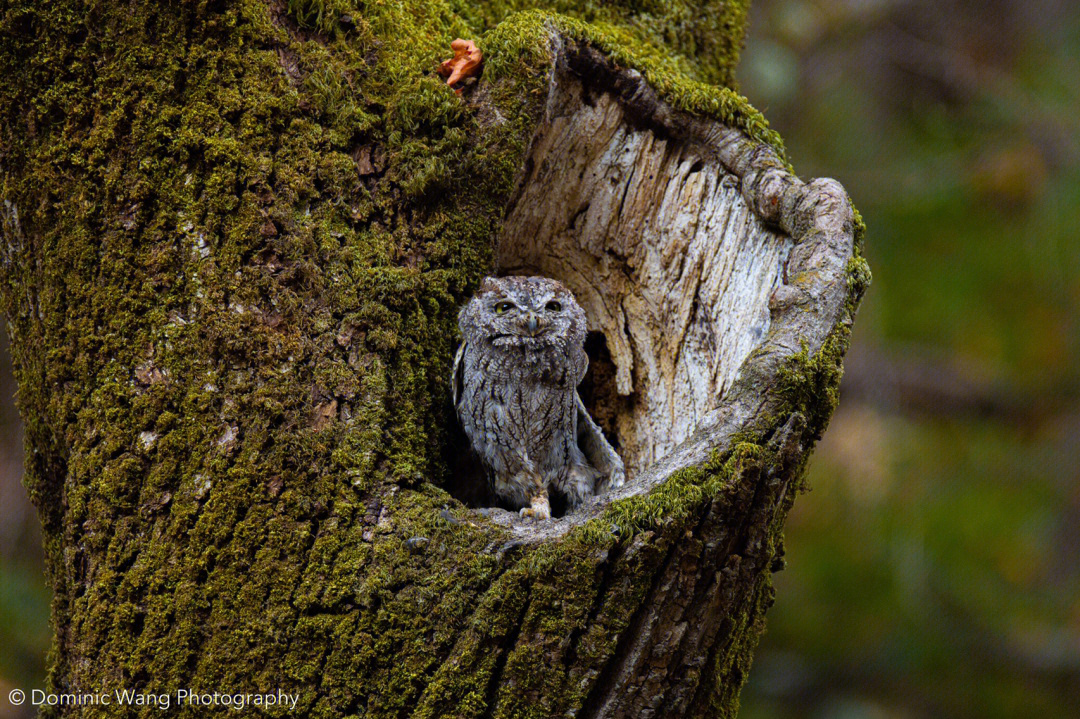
(235, 237)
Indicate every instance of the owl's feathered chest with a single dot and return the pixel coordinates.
(548, 366)
(515, 381)
(519, 402)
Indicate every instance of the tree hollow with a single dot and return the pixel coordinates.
(676, 235)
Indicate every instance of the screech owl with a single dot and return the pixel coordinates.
(515, 382)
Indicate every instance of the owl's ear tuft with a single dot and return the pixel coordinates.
(488, 284)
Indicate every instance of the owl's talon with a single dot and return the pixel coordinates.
(539, 508)
(617, 479)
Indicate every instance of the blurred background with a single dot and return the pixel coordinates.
(934, 570)
(24, 597)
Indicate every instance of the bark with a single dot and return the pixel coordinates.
(235, 237)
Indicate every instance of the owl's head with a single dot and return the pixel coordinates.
(523, 312)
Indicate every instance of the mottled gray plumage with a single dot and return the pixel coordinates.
(515, 389)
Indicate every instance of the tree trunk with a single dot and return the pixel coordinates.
(235, 238)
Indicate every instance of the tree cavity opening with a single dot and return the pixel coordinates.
(648, 229)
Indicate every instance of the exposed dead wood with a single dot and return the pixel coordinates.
(701, 259)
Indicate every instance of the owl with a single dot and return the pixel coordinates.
(515, 382)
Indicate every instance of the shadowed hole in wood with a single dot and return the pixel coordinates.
(598, 390)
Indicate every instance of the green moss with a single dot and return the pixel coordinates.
(523, 41)
(321, 15)
(701, 40)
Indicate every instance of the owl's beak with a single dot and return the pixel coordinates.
(532, 323)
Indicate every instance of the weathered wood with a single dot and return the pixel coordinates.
(650, 231)
(699, 257)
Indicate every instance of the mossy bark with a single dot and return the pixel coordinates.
(235, 238)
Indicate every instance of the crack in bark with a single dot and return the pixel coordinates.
(607, 574)
(706, 615)
(721, 586)
(676, 611)
(606, 681)
(769, 496)
(503, 652)
(454, 648)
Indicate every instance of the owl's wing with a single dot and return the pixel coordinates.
(457, 378)
(580, 362)
(597, 449)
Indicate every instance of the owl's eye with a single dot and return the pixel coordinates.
(554, 306)
(503, 307)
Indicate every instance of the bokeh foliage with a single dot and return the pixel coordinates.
(932, 571)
